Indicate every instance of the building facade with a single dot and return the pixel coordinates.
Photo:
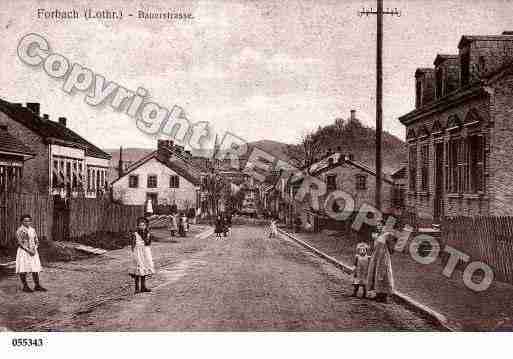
(163, 177)
(459, 136)
(13, 154)
(64, 163)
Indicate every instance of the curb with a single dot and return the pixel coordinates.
(401, 297)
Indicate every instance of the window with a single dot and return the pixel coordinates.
(439, 80)
(133, 181)
(361, 182)
(476, 163)
(458, 166)
(465, 68)
(331, 182)
(424, 170)
(174, 181)
(152, 181)
(412, 162)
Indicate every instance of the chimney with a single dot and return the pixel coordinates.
(120, 163)
(353, 115)
(45, 116)
(34, 107)
(62, 121)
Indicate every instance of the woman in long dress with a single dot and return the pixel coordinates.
(380, 277)
(142, 259)
(27, 256)
(172, 227)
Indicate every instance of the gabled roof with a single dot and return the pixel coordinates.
(50, 130)
(442, 57)
(11, 145)
(338, 159)
(178, 166)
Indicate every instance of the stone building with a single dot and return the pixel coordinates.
(460, 134)
(64, 163)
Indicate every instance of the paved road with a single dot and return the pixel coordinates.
(246, 282)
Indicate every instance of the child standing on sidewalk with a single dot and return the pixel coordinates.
(142, 260)
(273, 229)
(27, 257)
(361, 266)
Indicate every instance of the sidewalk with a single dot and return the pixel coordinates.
(464, 309)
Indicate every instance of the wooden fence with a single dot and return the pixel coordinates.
(486, 239)
(88, 216)
(60, 220)
(14, 205)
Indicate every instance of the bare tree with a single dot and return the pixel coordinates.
(305, 153)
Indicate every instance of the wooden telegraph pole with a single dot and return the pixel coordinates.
(379, 90)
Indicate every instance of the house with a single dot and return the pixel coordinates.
(164, 177)
(460, 152)
(340, 172)
(13, 154)
(64, 163)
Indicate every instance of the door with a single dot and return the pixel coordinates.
(151, 197)
(439, 186)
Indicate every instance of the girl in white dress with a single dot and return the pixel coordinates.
(273, 229)
(27, 257)
(142, 260)
(361, 267)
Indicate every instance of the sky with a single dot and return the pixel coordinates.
(269, 69)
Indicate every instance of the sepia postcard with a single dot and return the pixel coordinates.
(229, 166)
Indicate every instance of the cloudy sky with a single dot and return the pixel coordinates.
(267, 69)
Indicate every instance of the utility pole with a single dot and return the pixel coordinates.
(379, 91)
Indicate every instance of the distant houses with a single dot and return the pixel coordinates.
(63, 163)
(459, 136)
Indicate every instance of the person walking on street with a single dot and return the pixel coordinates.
(172, 226)
(380, 277)
(27, 256)
(219, 226)
(273, 229)
(142, 259)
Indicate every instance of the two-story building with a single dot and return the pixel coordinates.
(460, 134)
(64, 163)
(164, 177)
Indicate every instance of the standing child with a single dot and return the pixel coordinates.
(273, 229)
(141, 255)
(27, 257)
(361, 266)
(219, 226)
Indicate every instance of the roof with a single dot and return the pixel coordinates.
(469, 38)
(50, 130)
(461, 95)
(400, 173)
(442, 57)
(337, 160)
(179, 166)
(11, 145)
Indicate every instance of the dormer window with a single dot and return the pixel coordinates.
(465, 68)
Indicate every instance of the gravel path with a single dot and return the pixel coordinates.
(245, 282)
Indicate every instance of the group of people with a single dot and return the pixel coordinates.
(371, 272)
(178, 223)
(223, 225)
(374, 272)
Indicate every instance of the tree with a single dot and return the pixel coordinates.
(306, 153)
